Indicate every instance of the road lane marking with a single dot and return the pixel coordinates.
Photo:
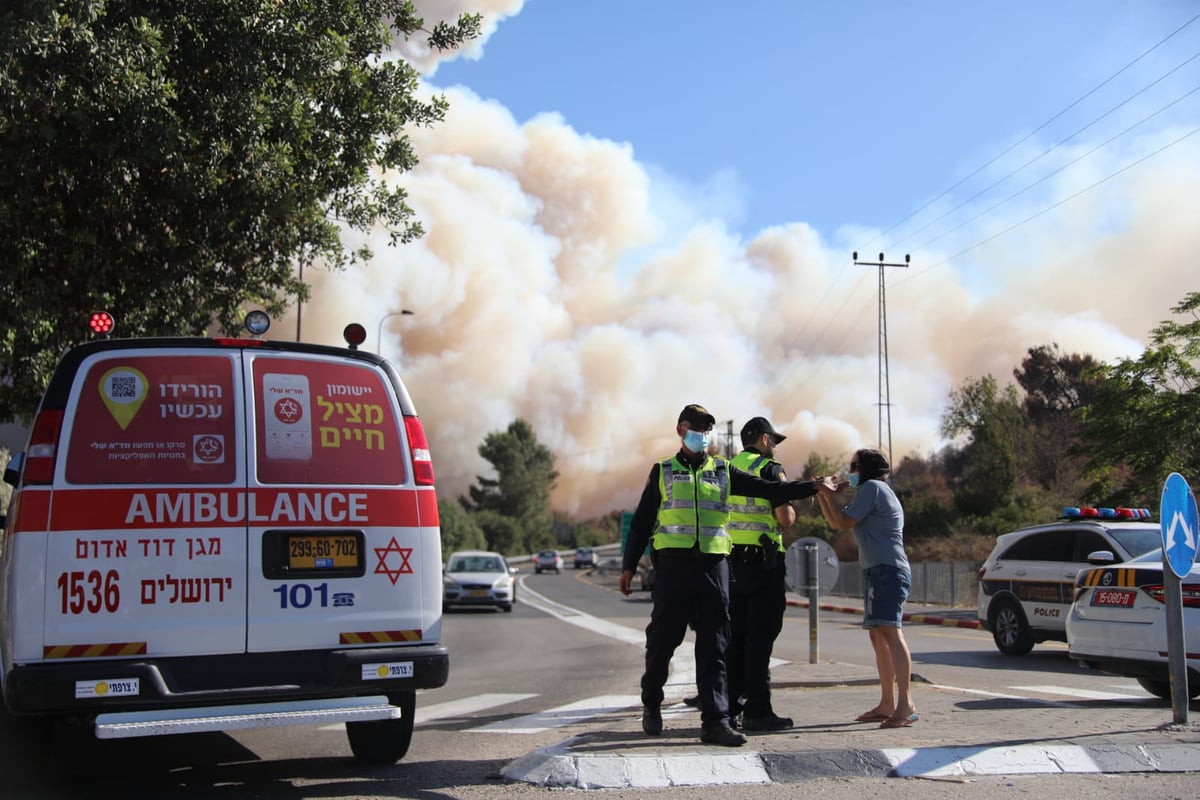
(1083, 694)
(681, 680)
(454, 708)
(1003, 696)
(570, 714)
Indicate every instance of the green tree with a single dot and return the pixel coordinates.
(997, 432)
(1144, 421)
(928, 503)
(459, 530)
(171, 162)
(514, 507)
(1056, 387)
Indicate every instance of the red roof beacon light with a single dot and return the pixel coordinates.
(101, 323)
(354, 334)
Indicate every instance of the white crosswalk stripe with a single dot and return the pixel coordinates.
(561, 716)
(1081, 694)
(455, 708)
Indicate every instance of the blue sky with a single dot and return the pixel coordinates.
(828, 113)
(632, 206)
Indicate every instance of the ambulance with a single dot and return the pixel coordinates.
(223, 533)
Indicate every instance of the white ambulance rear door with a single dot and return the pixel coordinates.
(336, 533)
(147, 525)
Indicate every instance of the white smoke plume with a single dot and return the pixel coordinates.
(553, 285)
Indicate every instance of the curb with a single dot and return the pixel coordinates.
(924, 619)
(557, 767)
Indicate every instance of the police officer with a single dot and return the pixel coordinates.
(683, 512)
(757, 592)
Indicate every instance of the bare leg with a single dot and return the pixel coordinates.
(891, 641)
(887, 672)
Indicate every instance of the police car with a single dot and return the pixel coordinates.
(1027, 583)
(1118, 623)
(212, 534)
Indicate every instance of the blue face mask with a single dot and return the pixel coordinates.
(854, 479)
(696, 441)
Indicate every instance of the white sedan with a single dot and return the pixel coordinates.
(1118, 623)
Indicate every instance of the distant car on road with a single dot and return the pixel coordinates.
(547, 560)
(479, 578)
(1118, 624)
(1027, 583)
(586, 557)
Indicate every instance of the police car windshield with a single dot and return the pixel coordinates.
(1137, 541)
(1153, 556)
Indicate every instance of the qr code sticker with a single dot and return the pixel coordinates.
(123, 386)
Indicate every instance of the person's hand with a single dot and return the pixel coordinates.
(625, 585)
(841, 487)
(827, 484)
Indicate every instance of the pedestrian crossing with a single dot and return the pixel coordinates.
(594, 709)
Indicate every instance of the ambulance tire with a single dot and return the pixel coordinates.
(384, 741)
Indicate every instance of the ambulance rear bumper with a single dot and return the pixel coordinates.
(186, 682)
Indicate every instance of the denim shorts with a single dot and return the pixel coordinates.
(886, 590)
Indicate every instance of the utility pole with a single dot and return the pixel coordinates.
(885, 391)
(728, 436)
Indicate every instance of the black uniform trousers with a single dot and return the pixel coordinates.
(689, 586)
(757, 602)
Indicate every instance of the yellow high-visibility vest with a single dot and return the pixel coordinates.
(695, 506)
(751, 517)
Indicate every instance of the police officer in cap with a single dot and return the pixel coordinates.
(684, 513)
(757, 593)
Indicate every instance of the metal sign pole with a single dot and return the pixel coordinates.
(1177, 518)
(814, 593)
(1176, 649)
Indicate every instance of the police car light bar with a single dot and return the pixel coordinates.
(1076, 512)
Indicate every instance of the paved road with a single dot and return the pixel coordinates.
(962, 732)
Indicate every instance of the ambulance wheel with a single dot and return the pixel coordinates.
(384, 741)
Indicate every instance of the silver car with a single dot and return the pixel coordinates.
(479, 578)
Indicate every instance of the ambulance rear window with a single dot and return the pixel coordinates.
(325, 422)
(154, 419)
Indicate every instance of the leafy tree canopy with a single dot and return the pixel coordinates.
(171, 162)
(520, 492)
(1144, 421)
(459, 530)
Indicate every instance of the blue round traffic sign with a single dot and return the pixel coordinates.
(1177, 518)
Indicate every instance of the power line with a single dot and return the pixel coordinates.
(1039, 128)
(820, 336)
(1050, 208)
(1063, 167)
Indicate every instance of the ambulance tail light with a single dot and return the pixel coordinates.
(422, 463)
(43, 448)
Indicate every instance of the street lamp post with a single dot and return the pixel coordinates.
(379, 333)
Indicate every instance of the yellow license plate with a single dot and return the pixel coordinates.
(479, 593)
(332, 551)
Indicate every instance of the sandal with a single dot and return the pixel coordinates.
(872, 716)
(900, 722)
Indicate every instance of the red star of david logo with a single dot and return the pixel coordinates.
(288, 410)
(382, 567)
